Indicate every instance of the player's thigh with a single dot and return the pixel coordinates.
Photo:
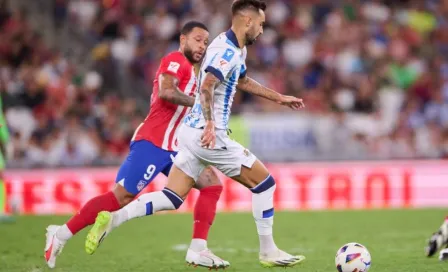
(208, 178)
(179, 182)
(143, 163)
(188, 160)
(238, 163)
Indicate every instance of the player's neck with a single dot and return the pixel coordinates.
(197, 67)
(240, 36)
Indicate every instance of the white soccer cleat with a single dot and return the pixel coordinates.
(279, 258)
(53, 246)
(205, 258)
(443, 256)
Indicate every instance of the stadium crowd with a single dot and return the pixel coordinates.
(376, 69)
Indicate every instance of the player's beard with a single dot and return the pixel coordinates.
(250, 39)
(189, 54)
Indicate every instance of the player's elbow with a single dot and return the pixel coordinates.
(206, 92)
(164, 94)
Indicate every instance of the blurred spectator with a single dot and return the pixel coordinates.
(376, 69)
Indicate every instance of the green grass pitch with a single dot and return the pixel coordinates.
(395, 238)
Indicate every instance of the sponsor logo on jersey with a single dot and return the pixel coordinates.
(228, 55)
(141, 184)
(173, 67)
(223, 63)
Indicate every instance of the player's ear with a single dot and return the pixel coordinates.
(249, 21)
(183, 39)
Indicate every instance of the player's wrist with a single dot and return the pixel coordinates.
(280, 99)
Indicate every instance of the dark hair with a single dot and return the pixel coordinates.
(188, 27)
(255, 5)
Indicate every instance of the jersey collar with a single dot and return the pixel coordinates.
(232, 37)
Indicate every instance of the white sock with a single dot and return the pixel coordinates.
(267, 244)
(146, 204)
(263, 212)
(198, 245)
(63, 233)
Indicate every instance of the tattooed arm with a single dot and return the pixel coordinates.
(207, 90)
(251, 86)
(169, 91)
(207, 96)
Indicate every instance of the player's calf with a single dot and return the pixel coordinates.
(110, 201)
(170, 198)
(210, 190)
(263, 186)
(146, 204)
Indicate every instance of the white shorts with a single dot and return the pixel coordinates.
(228, 156)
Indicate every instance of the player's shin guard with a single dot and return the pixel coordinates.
(263, 212)
(148, 204)
(263, 205)
(205, 211)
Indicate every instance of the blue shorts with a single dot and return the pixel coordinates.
(144, 162)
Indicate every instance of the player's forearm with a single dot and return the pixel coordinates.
(207, 96)
(207, 104)
(251, 86)
(175, 96)
(169, 91)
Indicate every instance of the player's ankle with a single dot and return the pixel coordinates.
(198, 245)
(64, 233)
(267, 244)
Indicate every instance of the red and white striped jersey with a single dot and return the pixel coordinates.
(164, 119)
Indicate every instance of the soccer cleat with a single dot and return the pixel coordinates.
(443, 256)
(99, 231)
(438, 239)
(53, 246)
(279, 258)
(205, 258)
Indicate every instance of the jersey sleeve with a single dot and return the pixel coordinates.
(222, 62)
(243, 71)
(173, 65)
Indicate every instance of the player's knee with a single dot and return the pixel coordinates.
(174, 198)
(125, 200)
(123, 196)
(265, 185)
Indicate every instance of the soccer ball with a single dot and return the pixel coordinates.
(353, 257)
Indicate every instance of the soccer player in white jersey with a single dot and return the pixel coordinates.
(203, 138)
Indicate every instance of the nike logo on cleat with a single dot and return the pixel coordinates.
(102, 238)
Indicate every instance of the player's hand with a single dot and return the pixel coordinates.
(292, 102)
(208, 138)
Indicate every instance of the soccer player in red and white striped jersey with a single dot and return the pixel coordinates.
(168, 109)
(152, 150)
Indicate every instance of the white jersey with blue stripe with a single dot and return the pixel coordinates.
(227, 61)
